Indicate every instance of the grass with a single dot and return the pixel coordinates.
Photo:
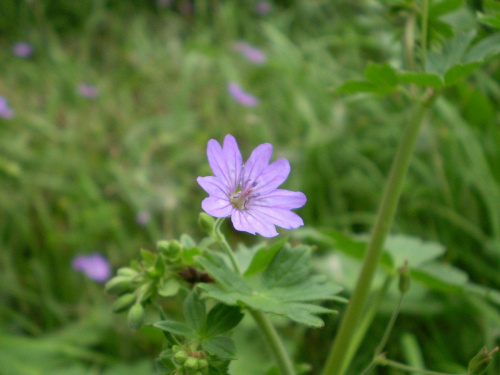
(74, 172)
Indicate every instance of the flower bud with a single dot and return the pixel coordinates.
(206, 222)
(119, 284)
(479, 364)
(181, 356)
(192, 363)
(162, 246)
(404, 278)
(135, 316)
(202, 363)
(123, 302)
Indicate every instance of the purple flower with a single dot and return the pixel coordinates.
(88, 91)
(143, 217)
(263, 7)
(22, 49)
(241, 96)
(252, 54)
(248, 192)
(94, 266)
(5, 110)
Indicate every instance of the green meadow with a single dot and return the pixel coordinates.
(104, 132)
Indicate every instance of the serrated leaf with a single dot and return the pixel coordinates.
(217, 267)
(263, 257)
(422, 79)
(195, 311)
(288, 267)
(283, 289)
(168, 287)
(222, 318)
(175, 328)
(220, 346)
(453, 50)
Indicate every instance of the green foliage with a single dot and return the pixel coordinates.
(284, 288)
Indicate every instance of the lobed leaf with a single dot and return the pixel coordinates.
(222, 318)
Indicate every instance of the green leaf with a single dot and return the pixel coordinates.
(187, 241)
(195, 311)
(188, 255)
(490, 20)
(282, 289)
(175, 328)
(453, 50)
(381, 76)
(168, 287)
(288, 267)
(440, 276)
(422, 79)
(443, 7)
(220, 346)
(486, 48)
(222, 318)
(355, 87)
(217, 267)
(459, 71)
(263, 257)
(402, 247)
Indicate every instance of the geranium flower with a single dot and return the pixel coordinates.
(5, 110)
(241, 96)
(94, 266)
(88, 91)
(250, 52)
(22, 49)
(248, 192)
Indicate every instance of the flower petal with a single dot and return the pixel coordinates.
(232, 156)
(214, 187)
(217, 207)
(248, 222)
(279, 198)
(257, 163)
(278, 216)
(272, 176)
(225, 162)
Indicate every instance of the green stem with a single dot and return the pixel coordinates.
(285, 366)
(425, 23)
(368, 317)
(387, 332)
(385, 217)
(400, 366)
(225, 245)
(284, 363)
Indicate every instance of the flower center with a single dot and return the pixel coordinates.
(240, 198)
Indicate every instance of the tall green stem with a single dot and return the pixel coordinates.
(385, 217)
(283, 361)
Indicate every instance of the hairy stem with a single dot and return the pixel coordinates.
(385, 216)
(224, 244)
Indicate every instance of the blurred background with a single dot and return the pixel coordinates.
(105, 111)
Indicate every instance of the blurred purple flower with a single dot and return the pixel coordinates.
(143, 217)
(253, 54)
(5, 110)
(22, 49)
(249, 192)
(94, 266)
(263, 7)
(88, 91)
(241, 96)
